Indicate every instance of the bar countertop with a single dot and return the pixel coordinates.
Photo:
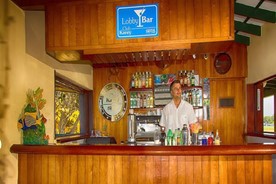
(246, 149)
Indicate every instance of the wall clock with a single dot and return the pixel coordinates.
(113, 101)
(222, 63)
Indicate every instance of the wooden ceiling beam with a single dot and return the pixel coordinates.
(242, 39)
(248, 28)
(256, 13)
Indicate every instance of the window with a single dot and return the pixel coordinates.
(269, 87)
(72, 109)
(261, 99)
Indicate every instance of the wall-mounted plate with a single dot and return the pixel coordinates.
(222, 63)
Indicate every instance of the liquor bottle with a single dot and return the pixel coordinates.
(185, 78)
(139, 80)
(136, 80)
(147, 80)
(217, 138)
(138, 100)
(188, 78)
(132, 83)
(150, 80)
(185, 135)
(131, 100)
(180, 77)
(192, 78)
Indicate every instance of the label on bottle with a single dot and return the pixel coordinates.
(217, 142)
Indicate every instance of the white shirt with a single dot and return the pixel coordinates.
(173, 117)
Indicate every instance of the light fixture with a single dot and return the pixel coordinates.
(194, 56)
(68, 55)
(205, 56)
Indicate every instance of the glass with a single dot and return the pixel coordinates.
(95, 133)
(194, 138)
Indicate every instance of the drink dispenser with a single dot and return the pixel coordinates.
(131, 127)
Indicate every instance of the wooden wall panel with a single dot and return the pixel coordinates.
(116, 169)
(91, 25)
(229, 121)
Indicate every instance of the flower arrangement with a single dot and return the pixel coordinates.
(195, 127)
(31, 121)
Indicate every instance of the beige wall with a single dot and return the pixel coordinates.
(29, 72)
(262, 54)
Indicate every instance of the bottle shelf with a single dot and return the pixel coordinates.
(191, 87)
(140, 89)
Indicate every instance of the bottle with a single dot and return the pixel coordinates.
(178, 137)
(132, 84)
(211, 139)
(185, 78)
(139, 80)
(150, 80)
(185, 134)
(131, 100)
(147, 80)
(143, 80)
(192, 78)
(136, 80)
(180, 77)
(204, 139)
(189, 78)
(169, 137)
(217, 138)
(163, 136)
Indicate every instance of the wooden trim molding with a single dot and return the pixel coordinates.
(251, 149)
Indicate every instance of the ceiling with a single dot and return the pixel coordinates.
(249, 17)
(270, 87)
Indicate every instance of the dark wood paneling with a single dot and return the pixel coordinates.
(230, 122)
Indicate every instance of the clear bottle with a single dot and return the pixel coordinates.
(136, 80)
(217, 138)
(139, 80)
(150, 80)
(185, 135)
(178, 137)
(147, 80)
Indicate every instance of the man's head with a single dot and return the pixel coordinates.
(176, 90)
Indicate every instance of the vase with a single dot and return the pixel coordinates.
(35, 136)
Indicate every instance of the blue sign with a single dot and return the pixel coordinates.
(137, 21)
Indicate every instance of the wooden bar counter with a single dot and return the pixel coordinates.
(109, 164)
